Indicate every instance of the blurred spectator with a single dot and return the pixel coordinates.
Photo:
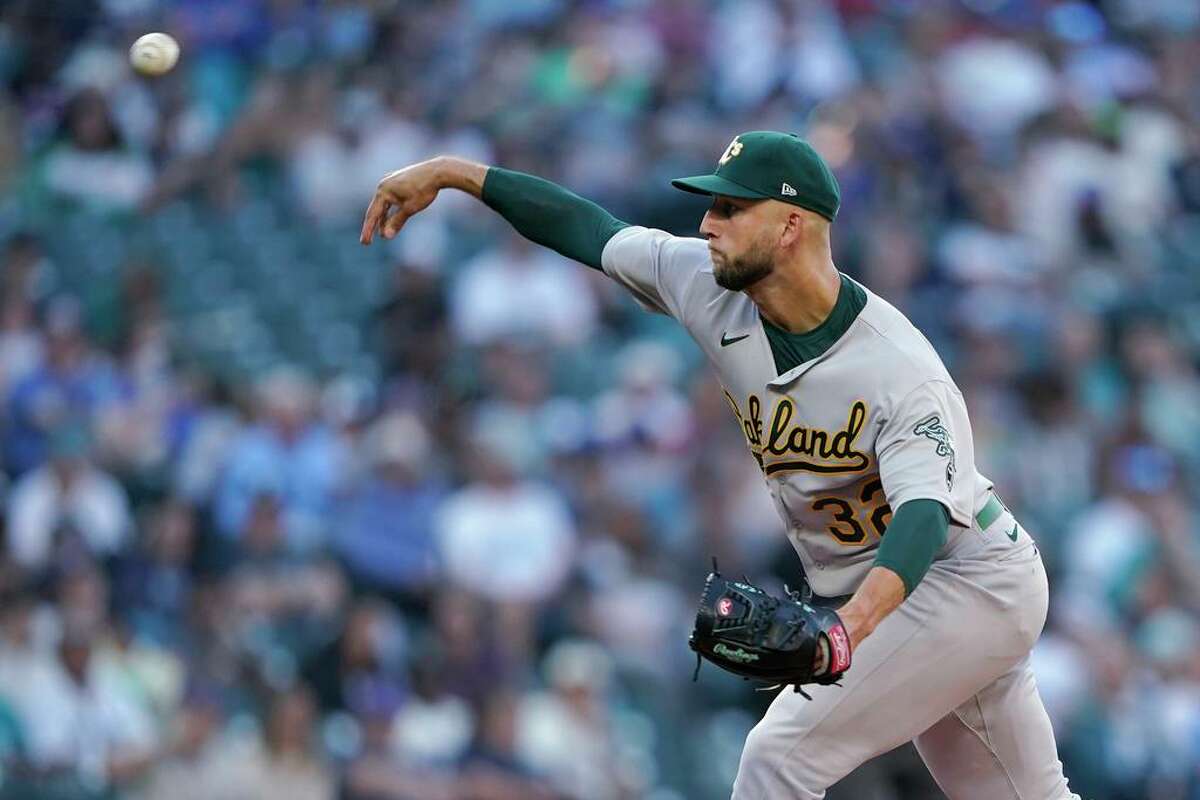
(67, 507)
(77, 720)
(154, 675)
(992, 85)
(568, 733)
(74, 380)
(28, 273)
(192, 767)
(20, 344)
(376, 774)
(646, 423)
(137, 434)
(283, 764)
(365, 658)
(409, 327)
(385, 534)
(522, 291)
(493, 769)
(18, 654)
(644, 407)
(504, 537)
(635, 607)
(519, 407)
(154, 583)
(283, 603)
(1166, 386)
(1115, 546)
(90, 163)
(474, 658)
(288, 453)
(1057, 485)
(434, 727)
(207, 424)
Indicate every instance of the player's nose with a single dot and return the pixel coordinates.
(707, 227)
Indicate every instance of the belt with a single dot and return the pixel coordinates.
(990, 512)
(833, 603)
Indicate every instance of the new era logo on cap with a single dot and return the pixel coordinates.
(787, 190)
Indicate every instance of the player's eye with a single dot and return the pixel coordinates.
(724, 208)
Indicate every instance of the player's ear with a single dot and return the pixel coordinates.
(792, 230)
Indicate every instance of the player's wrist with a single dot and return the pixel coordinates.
(880, 593)
(857, 622)
(451, 172)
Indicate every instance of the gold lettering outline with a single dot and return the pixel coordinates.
(835, 450)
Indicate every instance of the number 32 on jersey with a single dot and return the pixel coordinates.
(850, 520)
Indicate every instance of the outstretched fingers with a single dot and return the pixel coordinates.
(393, 224)
(376, 214)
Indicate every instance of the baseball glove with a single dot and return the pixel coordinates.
(744, 630)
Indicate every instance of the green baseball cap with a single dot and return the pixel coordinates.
(772, 165)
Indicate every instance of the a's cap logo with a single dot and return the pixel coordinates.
(734, 149)
(787, 191)
(724, 607)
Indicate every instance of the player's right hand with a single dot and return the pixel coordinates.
(399, 195)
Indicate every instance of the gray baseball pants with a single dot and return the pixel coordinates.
(948, 669)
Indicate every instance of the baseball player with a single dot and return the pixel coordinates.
(859, 431)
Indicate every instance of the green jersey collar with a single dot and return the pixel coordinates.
(793, 349)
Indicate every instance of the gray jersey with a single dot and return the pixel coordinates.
(842, 439)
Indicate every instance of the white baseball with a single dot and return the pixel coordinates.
(154, 53)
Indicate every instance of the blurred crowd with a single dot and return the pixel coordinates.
(262, 541)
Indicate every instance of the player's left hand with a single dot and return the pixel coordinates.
(746, 631)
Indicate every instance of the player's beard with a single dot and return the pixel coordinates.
(739, 274)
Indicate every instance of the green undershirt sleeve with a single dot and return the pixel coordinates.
(549, 215)
(917, 531)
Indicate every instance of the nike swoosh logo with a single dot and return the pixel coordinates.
(1013, 533)
(726, 341)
